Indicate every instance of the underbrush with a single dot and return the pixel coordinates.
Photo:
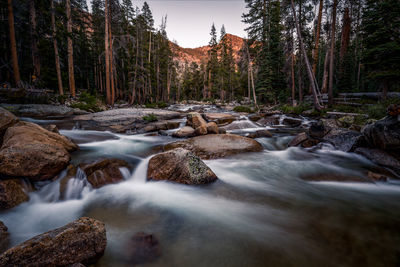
(87, 102)
(243, 109)
(150, 118)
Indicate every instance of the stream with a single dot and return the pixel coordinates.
(260, 212)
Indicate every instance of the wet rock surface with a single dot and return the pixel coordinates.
(217, 145)
(81, 241)
(104, 172)
(29, 151)
(7, 119)
(184, 132)
(142, 248)
(384, 134)
(180, 166)
(220, 118)
(12, 193)
(4, 237)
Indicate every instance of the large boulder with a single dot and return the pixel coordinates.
(260, 134)
(7, 119)
(104, 172)
(298, 140)
(217, 145)
(220, 118)
(12, 193)
(81, 241)
(4, 237)
(30, 151)
(184, 132)
(384, 134)
(180, 166)
(212, 128)
(195, 120)
(380, 157)
(343, 139)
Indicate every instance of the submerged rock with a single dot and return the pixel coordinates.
(217, 145)
(52, 128)
(32, 152)
(7, 119)
(104, 172)
(269, 121)
(12, 193)
(181, 166)
(260, 134)
(81, 241)
(142, 248)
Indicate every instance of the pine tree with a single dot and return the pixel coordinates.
(381, 21)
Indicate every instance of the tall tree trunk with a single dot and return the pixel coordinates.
(332, 56)
(345, 39)
(311, 76)
(71, 76)
(110, 42)
(33, 33)
(107, 54)
(324, 89)
(13, 43)
(293, 81)
(56, 56)
(316, 51)
(136, 67)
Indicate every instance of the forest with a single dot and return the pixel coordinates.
(117, 52)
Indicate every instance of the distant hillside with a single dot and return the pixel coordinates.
(200, 54)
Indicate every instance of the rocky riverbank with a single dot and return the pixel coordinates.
(32, 155)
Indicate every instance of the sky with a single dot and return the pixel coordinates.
(189, 21)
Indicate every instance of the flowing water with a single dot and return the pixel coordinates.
(259, 213)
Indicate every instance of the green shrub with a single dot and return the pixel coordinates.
(151, 105)
(150, 118)
(288, 109)
(87, 102)
(376, 111)
(242, 109)
(162, 105)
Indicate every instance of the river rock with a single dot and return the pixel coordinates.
(4, 237)
(217, 145)
(104, 172)
(254, 117)
(298, 140)
(317, 130)
(343, 139)
(221, 131)
(42, 110)
(30, 151)
(7, 119)
(220, 118)
(201, 130)
(260, 134)
(195, 120)
(238, 125)
(384, 134)
(212, 128)
(269, 121)
(142, 248)
(184, 132)
(345, 121)
(12, 193)
(293, 122)
(81, 241)
(71, 173)
(181, 166)
(52, 128)
(380, 157)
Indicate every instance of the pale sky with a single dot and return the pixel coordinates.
(189, 21)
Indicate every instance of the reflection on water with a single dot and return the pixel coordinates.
(259, 213)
